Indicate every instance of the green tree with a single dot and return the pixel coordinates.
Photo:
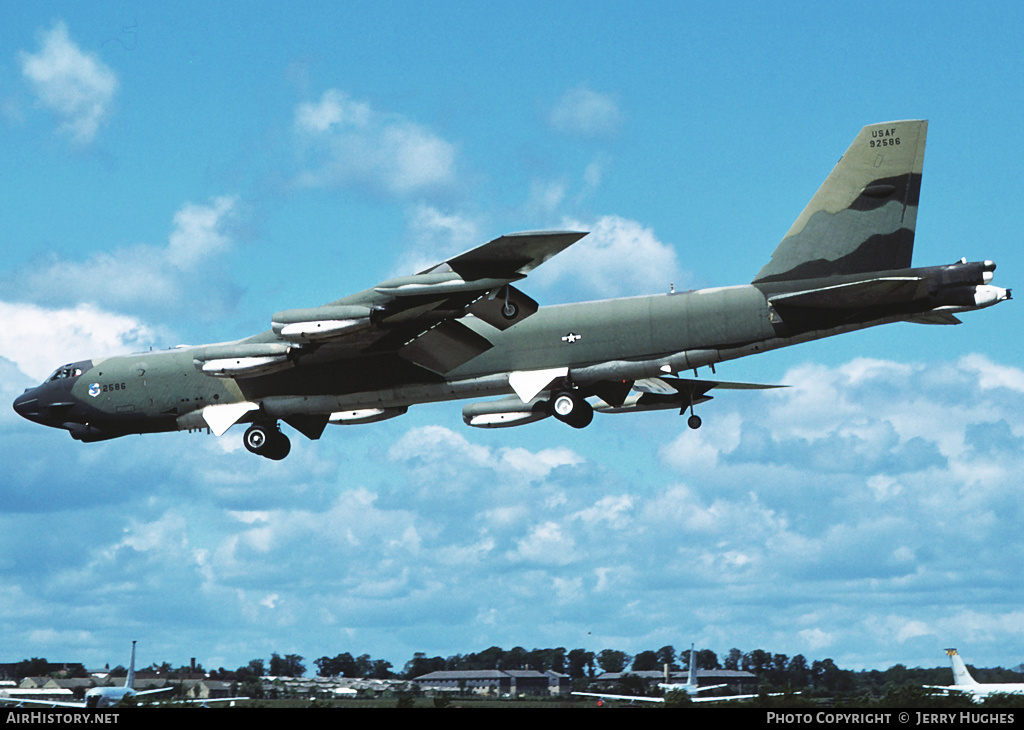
(289, 665)
(612, 660)
(34, 667)
(380, 669)
(342, 665)
(667, 655)
(758, 661)
(420, 664)
(707, 659)
(580, 664)
(514, 658)
(797, 672)
(646, 661)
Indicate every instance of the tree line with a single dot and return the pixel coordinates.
(774, 671)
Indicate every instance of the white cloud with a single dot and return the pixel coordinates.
(38, 339)
(441, 449)
(620, 257)
(77, 87)
(199, 233)
(145, 275)
(546, 544)
(816, 639)
(460, 529)
(434, 237)
(991, 375)
(586, 113)
(346, 142)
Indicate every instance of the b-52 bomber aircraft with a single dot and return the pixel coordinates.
(463, 329)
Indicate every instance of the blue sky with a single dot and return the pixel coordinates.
(176, 174)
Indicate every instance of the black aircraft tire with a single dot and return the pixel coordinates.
(693, 422)
(256, 439)
(279, 447)
(583, 416)
(570, 408)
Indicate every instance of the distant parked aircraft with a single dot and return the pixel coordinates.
(964, 682)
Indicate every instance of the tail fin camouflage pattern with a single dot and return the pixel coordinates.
(862, 218)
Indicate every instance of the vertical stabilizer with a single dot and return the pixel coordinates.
(863, 216)
(692, 679)
(130, 679)
(960, 674)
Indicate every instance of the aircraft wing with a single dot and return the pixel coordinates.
(727, 698)
(630, 698)
(416, 316)
(17, 701)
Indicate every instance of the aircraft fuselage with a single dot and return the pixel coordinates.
(462, 330)
(631, 338)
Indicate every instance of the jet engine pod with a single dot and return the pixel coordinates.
(321, 323)
(242, 361)
(505, 412)
(366, 415)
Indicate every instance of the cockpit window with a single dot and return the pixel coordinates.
(65, 372)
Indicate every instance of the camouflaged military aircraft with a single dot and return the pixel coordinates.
(463, 329)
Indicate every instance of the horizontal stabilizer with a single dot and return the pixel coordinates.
(652, 394)
(872, 293)
(934, 317)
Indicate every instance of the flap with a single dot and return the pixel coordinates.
(445, 347)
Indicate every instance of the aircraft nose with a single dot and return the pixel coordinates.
(26, 405)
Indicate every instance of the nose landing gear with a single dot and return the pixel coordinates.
(267, 440)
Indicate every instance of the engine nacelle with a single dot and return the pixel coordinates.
(321, 323)
(505, 412)
(365, 415)
(965, 298)
(243, 361)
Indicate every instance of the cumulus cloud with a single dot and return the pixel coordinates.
(346, 142)
(457, 531)
(77, 87)
(439, 448)
(586, 113)
(38, 339)
(620, 257)
(165, 277)
(435, 236)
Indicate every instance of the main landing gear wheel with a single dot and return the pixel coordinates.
(266, 440)
(693, 422)
(569, 407)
